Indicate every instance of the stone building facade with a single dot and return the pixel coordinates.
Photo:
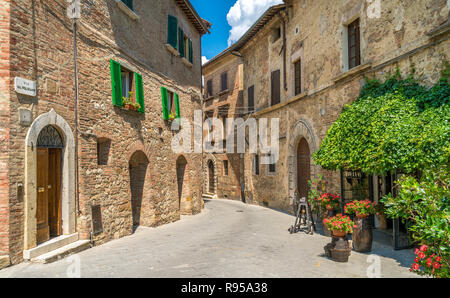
(223, 95)
(128, 174)
(304, 60)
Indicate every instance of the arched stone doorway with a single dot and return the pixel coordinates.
(49, 130)
(303, 168)
(138, 166)
(182, 187)
(211, 177)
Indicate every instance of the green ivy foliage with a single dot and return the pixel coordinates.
(397, 125)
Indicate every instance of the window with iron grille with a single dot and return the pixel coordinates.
(224, 79)
(354, 57)
(251, 99)
(298, 77)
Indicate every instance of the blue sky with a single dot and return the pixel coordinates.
(230, 20)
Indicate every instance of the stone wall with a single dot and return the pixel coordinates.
(315, 34)
(42, 50)
(4, 131)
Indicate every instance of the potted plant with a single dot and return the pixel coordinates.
(330, 201)
(340, 225)
(362, 232)
(339, 249)
(129, 104)
(172, 116)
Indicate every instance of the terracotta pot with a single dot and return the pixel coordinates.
(330, 208)
(339, 234)
(360, 216)
(362, 235)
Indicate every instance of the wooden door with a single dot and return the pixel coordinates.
(181, 169)
(275, 88)
(48, 212)
(211, 177)
(43, 231)
(54, 191)
(303, 168)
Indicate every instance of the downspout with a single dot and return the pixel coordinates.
(284, 52)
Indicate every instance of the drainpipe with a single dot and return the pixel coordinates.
(284, 52)
(75, 55)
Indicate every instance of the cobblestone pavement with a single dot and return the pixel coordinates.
(228, 239)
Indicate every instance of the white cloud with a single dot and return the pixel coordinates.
(204, 60)
(244, 13)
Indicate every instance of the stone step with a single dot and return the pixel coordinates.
(62, 252)
(207, 196)
(49, 246)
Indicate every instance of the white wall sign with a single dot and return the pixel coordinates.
(24, 86)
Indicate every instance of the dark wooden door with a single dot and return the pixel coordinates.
(303, 168)
(211, 177)
(54, 192)
(48, 209)
(181, 169)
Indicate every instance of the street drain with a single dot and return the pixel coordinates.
(239, 211)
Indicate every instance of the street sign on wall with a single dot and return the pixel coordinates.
(24, 86)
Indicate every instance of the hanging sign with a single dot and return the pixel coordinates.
(24, 86)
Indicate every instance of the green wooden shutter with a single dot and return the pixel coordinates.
(139, 91)
(116, 83)
(177, 105)
(164, 98)
(181, 42)
(191, 52)
(172, 29)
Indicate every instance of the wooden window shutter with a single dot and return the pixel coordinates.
(298, 77)
(116, 83)
(172, 30)
(251, 98)
(177, 105)
(209, 88)
(224, 81)
(139, 92)
(191, 52)
(165, 107)
(275, 84)
(181, 42)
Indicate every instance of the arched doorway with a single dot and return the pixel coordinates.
(303, 168)
(48, 173)
(181, 169)
(211, 175)
(55, 133)
(138, 165)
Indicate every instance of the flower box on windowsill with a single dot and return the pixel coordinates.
(128, 11)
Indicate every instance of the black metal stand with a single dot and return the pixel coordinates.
(303, 221)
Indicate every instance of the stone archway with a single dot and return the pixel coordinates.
(184, 191)
(300, 134)
(138, 165)
(211, 176)
(67, 182)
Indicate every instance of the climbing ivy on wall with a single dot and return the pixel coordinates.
(394, 125)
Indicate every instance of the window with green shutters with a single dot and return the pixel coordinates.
(181, 43)
(170, 103)
(120, 79)
(172, 31)
(191, 52)
(116, 83)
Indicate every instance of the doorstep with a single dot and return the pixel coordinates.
(61, 246)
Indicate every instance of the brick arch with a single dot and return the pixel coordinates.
(138, 146)
(298, 131)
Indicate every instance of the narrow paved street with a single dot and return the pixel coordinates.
(228, 239)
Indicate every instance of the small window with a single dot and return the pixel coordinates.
(298, 77)
(256, 165)
(209, 89)
(272, 168)
(128, 3)
(354, 57)
(171, 102)
(225, 167)
(103, 148)
(251, 99)
(275, 90)
(127, 82)
(224, 79)
(276, 34)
